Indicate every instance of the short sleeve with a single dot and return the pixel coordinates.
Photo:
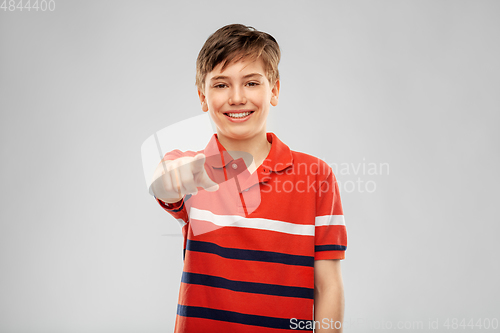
(177, 210)
(330, 237)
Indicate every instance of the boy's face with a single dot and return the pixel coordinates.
(230, 95)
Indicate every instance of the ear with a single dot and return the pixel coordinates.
(203, 100)
(275, 91)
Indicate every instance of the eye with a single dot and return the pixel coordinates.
(252, 84)
(220, 85)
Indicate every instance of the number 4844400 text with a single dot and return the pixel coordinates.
(29, 5)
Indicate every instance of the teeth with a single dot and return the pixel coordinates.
(238, 115)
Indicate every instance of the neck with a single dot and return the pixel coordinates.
(257, 146)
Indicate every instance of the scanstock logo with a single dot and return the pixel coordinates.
(237, 195)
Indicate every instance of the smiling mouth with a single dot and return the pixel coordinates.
(237, 115)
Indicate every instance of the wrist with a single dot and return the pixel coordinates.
(170, 201)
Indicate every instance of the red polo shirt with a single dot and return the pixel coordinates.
(249, 248)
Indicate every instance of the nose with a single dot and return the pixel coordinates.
(237, 96)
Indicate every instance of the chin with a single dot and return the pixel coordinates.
(239, 135)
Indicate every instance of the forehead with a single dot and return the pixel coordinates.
(239, 68)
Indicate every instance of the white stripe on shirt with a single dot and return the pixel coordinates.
(329, 220)
(253, 223)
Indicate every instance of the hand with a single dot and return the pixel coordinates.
(176, 178)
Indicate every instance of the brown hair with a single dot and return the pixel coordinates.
(234, 42)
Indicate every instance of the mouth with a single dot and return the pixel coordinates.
(238, 114)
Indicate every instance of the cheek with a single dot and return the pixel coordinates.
(262, 97)
(215, 100)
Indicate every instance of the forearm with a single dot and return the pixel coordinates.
(329, 306)
(329, 309)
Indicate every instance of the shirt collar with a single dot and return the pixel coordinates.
(280, 156)
(278, 159)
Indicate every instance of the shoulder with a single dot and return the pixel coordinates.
(284, 153)
(299, 156)
(314, 164)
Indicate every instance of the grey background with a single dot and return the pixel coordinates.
(414, 84)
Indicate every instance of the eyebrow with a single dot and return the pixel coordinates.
(222, 77)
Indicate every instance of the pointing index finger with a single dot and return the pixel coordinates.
(198, 163)
(203, 180)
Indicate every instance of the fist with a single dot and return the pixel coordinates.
(172, 180)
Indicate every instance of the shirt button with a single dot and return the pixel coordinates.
(235, 166)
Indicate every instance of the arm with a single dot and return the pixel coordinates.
(328, 295)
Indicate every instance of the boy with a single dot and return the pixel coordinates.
(263, 243)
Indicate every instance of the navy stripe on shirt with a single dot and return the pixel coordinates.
(253, 255)
(319, 248)
(240, 318)
(247, 287)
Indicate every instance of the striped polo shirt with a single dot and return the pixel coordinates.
(250, 247)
